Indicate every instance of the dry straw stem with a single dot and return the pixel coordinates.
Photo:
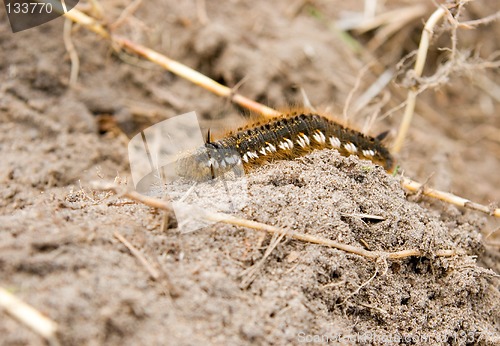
(173, 66)
(419, 67)
(73, 55)
(236, 221)
(28, 315)
(448, 197)
(88, 22)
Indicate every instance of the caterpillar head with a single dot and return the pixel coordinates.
(208, 162)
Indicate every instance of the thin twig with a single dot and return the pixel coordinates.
(491, 233)
(357, 83)
(28, 315)
(250, 273)
(419, 67)
(482, 21)
(448, 197)
(236, 221)
(360, 287)
(151, 270)
(127, 12)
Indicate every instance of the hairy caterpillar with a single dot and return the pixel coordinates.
(285, 137)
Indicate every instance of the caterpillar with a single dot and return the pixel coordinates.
(285, 137)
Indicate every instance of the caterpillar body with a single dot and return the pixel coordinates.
(285, 137)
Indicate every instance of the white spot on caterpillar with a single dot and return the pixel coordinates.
(271, 148)
(368, 153)
(245, 158)
(334, 142)
(263, 151)
(287, 144)
(306, 139)
(319, 137)
(351, 148)
(252, 155)
(303, 140)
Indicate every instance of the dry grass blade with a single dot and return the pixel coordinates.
(375, 89)
(29, 316)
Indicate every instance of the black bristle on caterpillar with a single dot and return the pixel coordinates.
(285, 137)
